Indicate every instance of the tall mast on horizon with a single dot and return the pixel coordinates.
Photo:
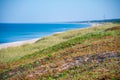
(104, 17)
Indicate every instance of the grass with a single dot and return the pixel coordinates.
(70, 44)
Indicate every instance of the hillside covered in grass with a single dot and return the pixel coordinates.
(83, 54)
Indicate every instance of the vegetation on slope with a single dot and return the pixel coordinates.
(20, 51)
(59, 60)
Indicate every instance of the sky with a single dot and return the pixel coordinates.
(40, 11)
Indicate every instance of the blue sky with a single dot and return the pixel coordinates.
(39, 11)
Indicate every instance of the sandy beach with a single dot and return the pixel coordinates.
(18, 43)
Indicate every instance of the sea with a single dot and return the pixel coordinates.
(12, 32)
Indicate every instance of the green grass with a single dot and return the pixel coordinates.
(72, 42)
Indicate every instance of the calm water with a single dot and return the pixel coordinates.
(19, 32)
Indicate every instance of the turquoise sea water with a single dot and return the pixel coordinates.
(20, 32)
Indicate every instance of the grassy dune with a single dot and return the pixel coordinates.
(56, 57)
(20, 51)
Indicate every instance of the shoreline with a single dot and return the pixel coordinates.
(20, 43)
(23, 42)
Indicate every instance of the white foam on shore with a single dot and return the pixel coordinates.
(18, 43)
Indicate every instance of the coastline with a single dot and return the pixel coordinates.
(20, 43)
